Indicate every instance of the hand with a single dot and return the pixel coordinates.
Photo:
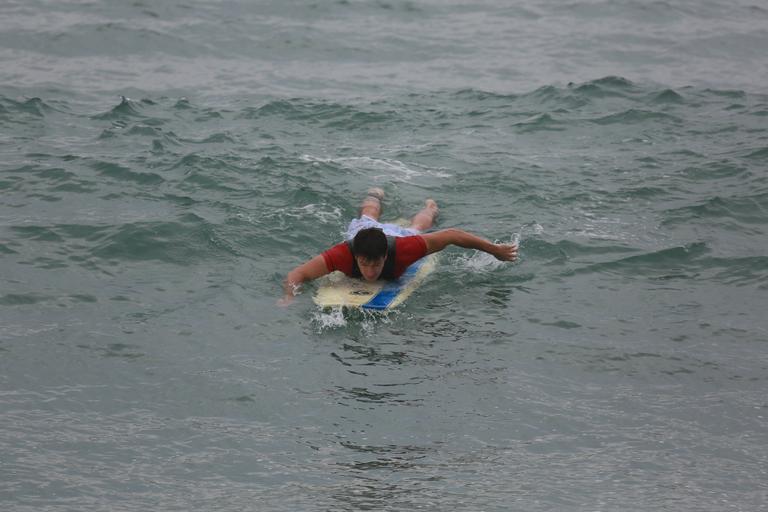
(291, 288)
(286, 301)
(506, 252)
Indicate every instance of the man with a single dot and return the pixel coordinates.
(383, 251)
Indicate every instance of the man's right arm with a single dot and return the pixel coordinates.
(310, 270)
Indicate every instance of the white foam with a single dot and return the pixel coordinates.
(322, 212)
(535, 228)
(325, 213)
(332, 319)
(479, 261)
(367, 320)
(395, 169)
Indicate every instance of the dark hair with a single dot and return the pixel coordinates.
(370, 243)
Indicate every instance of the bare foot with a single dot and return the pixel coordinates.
(431, 204)
(423, 220)
(376, 192)
(371, 205)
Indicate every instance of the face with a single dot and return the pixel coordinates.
(371, 269)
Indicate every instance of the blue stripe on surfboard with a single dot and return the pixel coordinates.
(389, 291)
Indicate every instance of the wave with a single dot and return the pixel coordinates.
(183, 104)
(758, 154)
(727, 93)
(563, 251)
(5, 249)
(667, 258)
(667, 96)
(393, 169)
(37, 233)
(539, 122)
(119, 172)
(23, 299)
(183, 242)
(203, 172)
(126, 109)
(214, 138)
(741, 271)
(187, 240)
(33, 106)
(751, 210)
(606, 87)
(635, 116)
(714, 171)
(693, 261)
(641, 102)
(478, 95)
(330, 114)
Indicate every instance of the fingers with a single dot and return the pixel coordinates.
(507, 252)
(285, 301)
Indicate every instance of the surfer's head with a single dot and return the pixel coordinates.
(370, 252)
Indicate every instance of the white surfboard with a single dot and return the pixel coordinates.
(338, 290)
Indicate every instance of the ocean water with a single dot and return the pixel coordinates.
(164, 165)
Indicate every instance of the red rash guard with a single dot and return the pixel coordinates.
(407, 250)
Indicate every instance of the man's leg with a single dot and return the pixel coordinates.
(423, 220)
(371, 205)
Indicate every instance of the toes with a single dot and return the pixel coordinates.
(376, 192)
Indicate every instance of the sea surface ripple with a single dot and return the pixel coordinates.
(163, 167)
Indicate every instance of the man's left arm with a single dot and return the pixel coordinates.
(439, 240)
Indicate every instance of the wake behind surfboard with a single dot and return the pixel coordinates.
(338, 290)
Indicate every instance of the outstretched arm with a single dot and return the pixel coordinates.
(310, 270)
(439, 240)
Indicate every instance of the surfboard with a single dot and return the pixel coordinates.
(338, 290)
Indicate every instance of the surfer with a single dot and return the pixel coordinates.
(373, 250)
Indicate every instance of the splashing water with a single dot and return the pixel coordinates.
(329, 319)
(339, 317)
(479, 261)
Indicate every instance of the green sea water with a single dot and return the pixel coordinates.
(163, 167)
